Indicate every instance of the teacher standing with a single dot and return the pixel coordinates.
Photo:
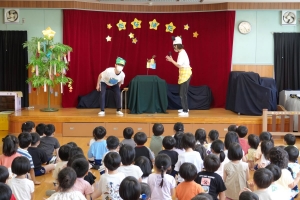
(185, 74)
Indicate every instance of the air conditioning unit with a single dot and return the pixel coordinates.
(11, 15)
(288, 17)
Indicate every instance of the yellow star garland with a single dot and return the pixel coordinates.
(121, 25)
(131, 35)
(108, 38)
(134, 40)
(186, 27)
(170, 27)
(136, 23)
(108, 26)
(153, 24)
(195, 34)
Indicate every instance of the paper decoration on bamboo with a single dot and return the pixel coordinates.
(131, 35)
(48, 33)
(108, 26)
(134, 40)
(121, 25)
(151, 63)
(108, 38)
(153, 24)
(170, 27)
(195, 34)
(136, 23)
(186, 27)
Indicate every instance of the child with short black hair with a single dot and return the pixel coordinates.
(98, 148)
(109, 183)
(265, 148)
(178, 146)
(178, 126)
(140, 139)
(49, 144)
(81, 167)
(253, 141)
(127, 154)
(21, 187)
(232, 127)
(189, 188)
(263, 178)
(168, 144)
(39, 157)
(293, 153)
(262, 137)
(211, 182)
(145, 192)
(40, 129)
(127, 134)
(200, 136)
(289, 139)
(113, 145)
(9, 150)
(145, 166)
(130, 189)
(156, 139)
(28, 127)
(162, 185)
(191, 156)
(4, 175)
(230, 137)
(217, 148)
(242, 131)
(6, 192)
(247, 195)
(63, 154)
(212, 136)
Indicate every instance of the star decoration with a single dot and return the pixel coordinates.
(136, 23)
(121, 25)
(131, 35)
(195, 34)
(153, 24)
(170, 27)
(48, 33)
(109, 26)
(134, 40)
(186, 27)
(108, 38)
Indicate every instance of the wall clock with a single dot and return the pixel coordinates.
(244, 27)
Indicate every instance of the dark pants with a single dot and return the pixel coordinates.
(116, 90)
(183, 91)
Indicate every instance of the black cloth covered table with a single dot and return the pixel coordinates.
(199, 97)
(92, 100)
(147, 94)
(249, 94)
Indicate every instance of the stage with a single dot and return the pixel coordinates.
(81, 122)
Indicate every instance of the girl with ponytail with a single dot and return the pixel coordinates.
(162, 184)
(217, 148)
(9, 150)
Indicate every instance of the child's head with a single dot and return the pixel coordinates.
(40, 129)
(112, 143)
(213, 135)
(99, 133)
(20, 166)
(253, 141)
(49, 130)
(242, 131)
(168, 142)
(35, 139)
(130, 188)
(202, 150)
(5, 192)
(265, 136)
(200, 135)
(140, 138)
(4, 174)
(73, 158)
(127, 154)
(158, 129)
(63, 152)
(188, 171)
(188, 141)
(127, 132)
(247, 195)
(145, 191)
(231, 137)
(266, 146)
(211, 163)
(276, 171)
(28, 126)
(10, 145)
(293, 153)
(263, 178)
(66, 178)
(279, 157)
(290, 139)
(112, 161)
(232, 127)
(24, 139)
(72, 144)
(178, 137)
(202, 196)
(178, 127)
(74, 151)
(145, 165)
(80, 166)
(217, 147)
(235, 152)
(162, 164)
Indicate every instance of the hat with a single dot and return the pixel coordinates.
(177, 40)
(120, 61)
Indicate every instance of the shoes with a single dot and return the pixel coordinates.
(53, 159)
(181, 110)
(101, 113)
(119, 113)
(183, 114)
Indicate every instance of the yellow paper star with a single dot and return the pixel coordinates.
(186, 27)
(48, 33)
(195, 34)
(153, 24)
(131, 35)
(121, 25)
(134, 40)
(136, 23)
(109, 26)
(170, 27)
(108, 38)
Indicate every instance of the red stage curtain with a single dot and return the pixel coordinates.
(210, 53)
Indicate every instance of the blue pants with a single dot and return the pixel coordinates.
(116, 90)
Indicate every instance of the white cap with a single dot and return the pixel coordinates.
(177, 40)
